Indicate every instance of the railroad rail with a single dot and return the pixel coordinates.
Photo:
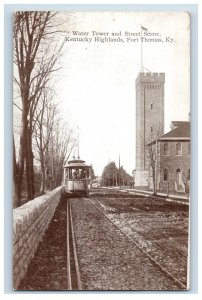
(73, 273)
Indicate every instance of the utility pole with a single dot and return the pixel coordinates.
(119, 174)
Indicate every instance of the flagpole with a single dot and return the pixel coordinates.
(141, 51)
(142, 66)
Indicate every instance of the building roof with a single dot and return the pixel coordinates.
(76, 163)
(180, 123)
(180, 131)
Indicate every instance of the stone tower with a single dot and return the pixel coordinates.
(149, 119)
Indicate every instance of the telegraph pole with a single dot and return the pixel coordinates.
(119, 174)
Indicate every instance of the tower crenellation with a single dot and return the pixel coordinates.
(152, 77)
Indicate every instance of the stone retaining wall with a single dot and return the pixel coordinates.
(30, 222)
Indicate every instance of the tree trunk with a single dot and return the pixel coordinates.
(43, 168)
(22, 149)
(43, 177)
(31, 158)
(154, 180)
(29, 167)
(15, 178)
(116, 181)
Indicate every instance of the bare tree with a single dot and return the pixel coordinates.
(54, 141)
(35, 57)
(42, 130)
(152, 155)
(62, 143)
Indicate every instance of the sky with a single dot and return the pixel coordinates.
(97, 82)
(98, 79)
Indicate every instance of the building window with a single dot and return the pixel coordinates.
(178, 178)
(178, 149)
(188, 176)
(165, 149)
(151, 129)
(189, 148)
(152, 106)
(165, 175)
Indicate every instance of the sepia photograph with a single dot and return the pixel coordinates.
(101, 150)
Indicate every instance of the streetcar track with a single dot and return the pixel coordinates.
(53, 274)
(162, 268)
(72, 271)
(69, 279)
(79, 284)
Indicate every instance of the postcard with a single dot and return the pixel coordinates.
(101, 150)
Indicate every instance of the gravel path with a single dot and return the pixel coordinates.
(159, 227)
(107, 259)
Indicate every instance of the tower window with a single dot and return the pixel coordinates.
(152, 106)
(151, 129)
(178, 149)
(165, 149)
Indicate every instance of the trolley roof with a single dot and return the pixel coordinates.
(76, 163)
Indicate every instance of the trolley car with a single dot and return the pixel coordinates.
(77, 176)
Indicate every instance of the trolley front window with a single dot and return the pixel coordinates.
(77, 173)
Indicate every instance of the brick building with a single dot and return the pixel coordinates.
(173, 159)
